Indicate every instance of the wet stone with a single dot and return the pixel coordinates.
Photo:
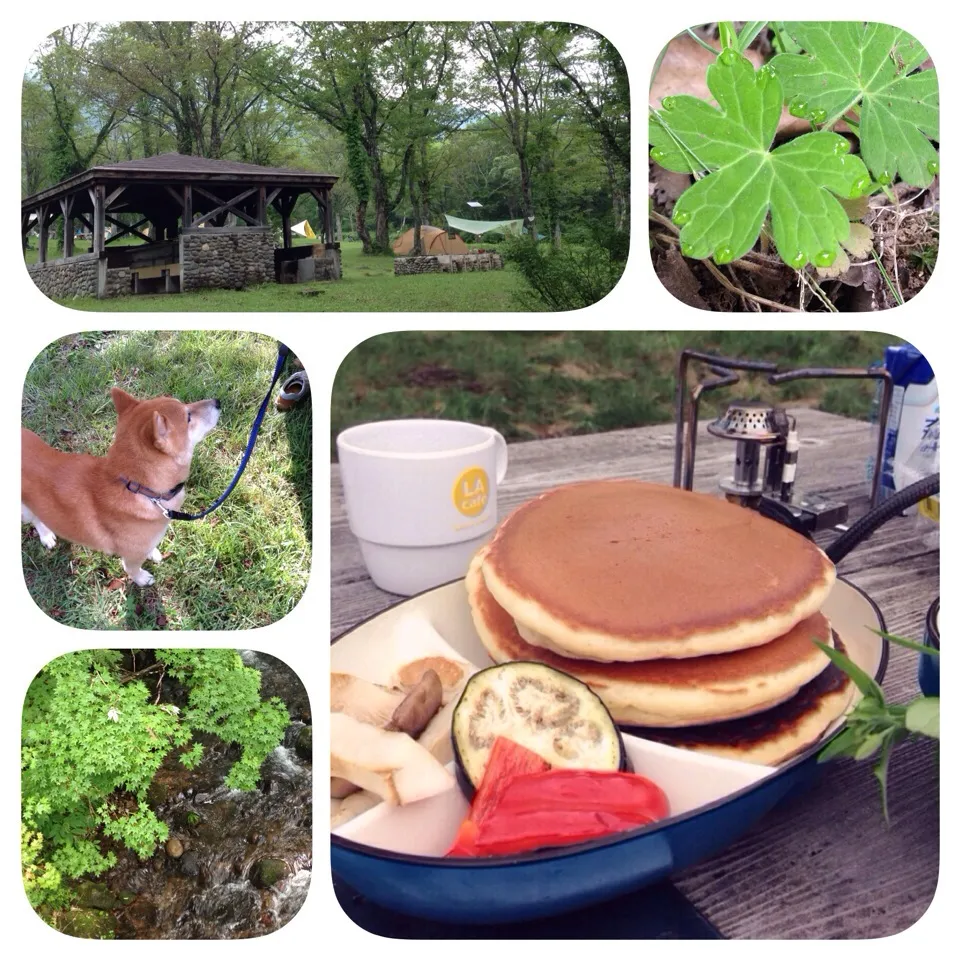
(268, 872)
(304, 744)
(174, 847)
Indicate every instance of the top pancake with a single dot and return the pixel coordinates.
(620, 570)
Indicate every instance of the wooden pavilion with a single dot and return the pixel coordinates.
(203, 223)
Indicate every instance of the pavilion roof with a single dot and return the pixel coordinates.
(176, 168)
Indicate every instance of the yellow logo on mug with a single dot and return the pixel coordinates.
(471, 491)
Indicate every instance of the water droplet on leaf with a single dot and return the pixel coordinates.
(818, 116)
(933, 167)
(883, 178)
(862, 185)
(723, 254)
(841, 146)
(657, 155)
(797, 260)
(694, 251)
(680, 217)
(824, 258)
(764, 75)
(798, 107)
(729, 57)
(668, 103)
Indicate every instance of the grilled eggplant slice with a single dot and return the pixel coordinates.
(543, 709)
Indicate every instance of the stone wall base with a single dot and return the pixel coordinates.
(225, 257)
(447, 263)
(73, 277)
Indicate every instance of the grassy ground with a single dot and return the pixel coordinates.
(533, 385)
(246, 564)
(368, 285)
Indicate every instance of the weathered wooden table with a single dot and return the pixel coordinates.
(824, 865)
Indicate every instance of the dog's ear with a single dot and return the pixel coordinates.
(161, 431)
(122, 400)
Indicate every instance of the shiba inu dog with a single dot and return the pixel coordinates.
(116, 503)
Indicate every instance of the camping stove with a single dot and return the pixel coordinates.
(766, 438)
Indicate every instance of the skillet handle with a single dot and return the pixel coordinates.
(875, 518)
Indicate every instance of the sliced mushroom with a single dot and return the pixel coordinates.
(392, 765)
(342, 811)
(340, 788)
(419, 706)
(362, 700)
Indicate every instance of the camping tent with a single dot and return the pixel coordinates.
(435, 241)
(303, 229)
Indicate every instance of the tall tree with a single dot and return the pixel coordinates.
(83, 113)
(347, 75)
(427, 60)
(596, 79)
(194, 73)
(511, 83)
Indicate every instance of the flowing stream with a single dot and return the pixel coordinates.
(237, 864)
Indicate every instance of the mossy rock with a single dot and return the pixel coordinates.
(268, 872)
(304, 743)
(87, 923)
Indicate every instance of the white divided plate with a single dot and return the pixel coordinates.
(439, 622)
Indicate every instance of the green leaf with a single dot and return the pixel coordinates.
(851, 62)
(923, 716)
(909, 644)
(843, 743)
(869, 746)
(722, 214)
(749, 33)
(880, 772)
(865, 683)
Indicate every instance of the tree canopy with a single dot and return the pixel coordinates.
(417, 118)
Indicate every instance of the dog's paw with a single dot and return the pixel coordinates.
(48, 538)
(155, 555)
(142, 578)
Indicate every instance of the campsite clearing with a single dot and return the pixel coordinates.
(368, 285)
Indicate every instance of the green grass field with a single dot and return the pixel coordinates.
(246, 564)
(535, 385)
(368, 285)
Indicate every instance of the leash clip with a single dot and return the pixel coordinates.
(162, 508)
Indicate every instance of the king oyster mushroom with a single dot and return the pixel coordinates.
(390, 764)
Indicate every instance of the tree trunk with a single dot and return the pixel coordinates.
(362, 232)
(417, 208)
(618, 196)
(526, 189)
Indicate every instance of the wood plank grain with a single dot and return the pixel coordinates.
(823, 865)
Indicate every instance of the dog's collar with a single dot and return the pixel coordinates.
(152, 495)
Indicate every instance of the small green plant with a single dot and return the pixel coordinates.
(93, 737)
(575, 276)
(864, 75)
(874, 726)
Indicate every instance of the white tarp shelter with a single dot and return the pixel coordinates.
(480, 227)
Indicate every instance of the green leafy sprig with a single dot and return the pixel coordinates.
(876, 727)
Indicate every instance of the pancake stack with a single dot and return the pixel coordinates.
(692, 618)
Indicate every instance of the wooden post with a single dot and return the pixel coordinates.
(66, 207)
(327, 216)
(286, 208)
(262, 205)
(42, 229)
(187, 206)
(99, 221)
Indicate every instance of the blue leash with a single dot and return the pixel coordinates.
(282, 354)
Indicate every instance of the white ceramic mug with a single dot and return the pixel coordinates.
(421, 497)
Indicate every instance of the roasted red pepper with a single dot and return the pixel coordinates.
(520, 811)
(506, 761)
